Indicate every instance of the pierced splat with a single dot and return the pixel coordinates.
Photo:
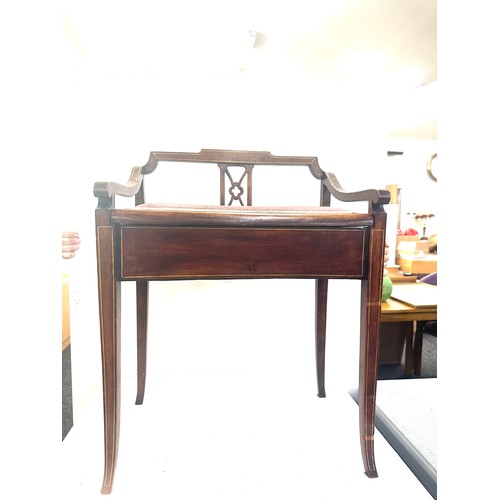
(236, 189)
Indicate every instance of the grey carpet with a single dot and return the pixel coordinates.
(67, 395)
(429, 362)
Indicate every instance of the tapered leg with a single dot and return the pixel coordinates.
(371, 290)
(142, 337)
(321, 305)
(109, 310)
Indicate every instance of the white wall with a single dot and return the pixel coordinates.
(419, 194)
(112, 120)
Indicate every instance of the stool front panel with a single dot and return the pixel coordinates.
(162, 253)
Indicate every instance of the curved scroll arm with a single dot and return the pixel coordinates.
(376, 197)
(106, 191)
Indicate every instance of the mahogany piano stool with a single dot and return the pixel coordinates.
(237, 240)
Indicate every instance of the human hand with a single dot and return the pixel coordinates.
(70, 244)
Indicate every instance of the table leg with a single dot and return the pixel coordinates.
(408, 333)
(419, 338)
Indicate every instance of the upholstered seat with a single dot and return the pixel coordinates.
(165, 241)
(179, 214)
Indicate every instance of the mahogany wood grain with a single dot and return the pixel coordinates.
(109, 311)
(239, 252)
(321, 302)
(371, 292)
(142, 296)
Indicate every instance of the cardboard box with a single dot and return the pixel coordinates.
(424, 265)
(412, 248)
(400, 237)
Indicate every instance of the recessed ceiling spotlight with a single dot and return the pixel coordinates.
(252, 36)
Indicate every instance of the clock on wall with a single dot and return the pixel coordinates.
(432, 167)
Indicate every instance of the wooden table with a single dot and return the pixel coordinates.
(419, 265)
(413, 313)
(66, 339)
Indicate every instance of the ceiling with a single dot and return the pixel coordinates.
(381, 44)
